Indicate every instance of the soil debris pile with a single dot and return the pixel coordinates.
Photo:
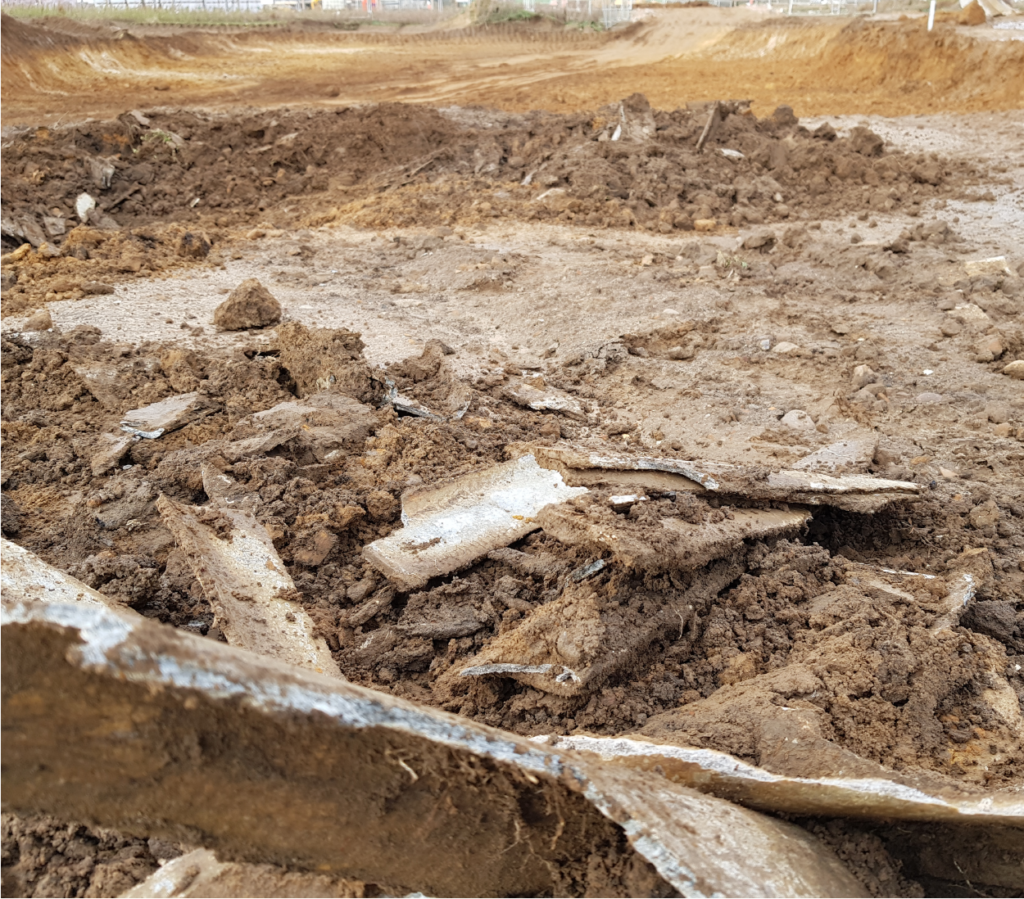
(169, 188)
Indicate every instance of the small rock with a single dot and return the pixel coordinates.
(951, 327)
(994, 618)
(798, 420)
(704, 225)
(972, 315)
(40, 321)
(997, 412)
(759, 240)
(193, 246)
(989, 349)
(1003, 430)
(1015, 370)
(250, 305)
(985, 515)
(96, 288)
(681, 352)
(863, 375)
(785, 348)
(928, 398)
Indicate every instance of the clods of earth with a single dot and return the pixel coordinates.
(831, 588)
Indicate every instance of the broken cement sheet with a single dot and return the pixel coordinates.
(234, 560)
(547, 399)
(24, 574)
(573, 644)
(200, 874)
(448, 527)
(104, 381)
(182, 737)
(946, 596)
(327, 423)
(671, 543)
(885, 796)
(167, 415)
(859, 493)
(857, 452)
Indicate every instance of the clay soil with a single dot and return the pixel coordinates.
(454, 212)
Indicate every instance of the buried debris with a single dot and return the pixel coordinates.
(167, 415)
(855, 493)
(448, 527)
(665, 543)
(326, 424)
(200, 874)
(270, 763)
(573, 644)
(880, 794)
(546, 399)
(245, 580)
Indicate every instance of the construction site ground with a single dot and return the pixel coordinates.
(465, 212)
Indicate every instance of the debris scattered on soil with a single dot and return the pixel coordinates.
(167, 415)
(429, 168)
(359, 746)
(764, 539)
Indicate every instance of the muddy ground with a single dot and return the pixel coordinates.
(826, 285)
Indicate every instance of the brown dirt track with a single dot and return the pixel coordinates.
(835, 67)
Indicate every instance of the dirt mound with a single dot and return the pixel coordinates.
(625, 165)
(21, 37)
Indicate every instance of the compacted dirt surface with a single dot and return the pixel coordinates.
(814, 278)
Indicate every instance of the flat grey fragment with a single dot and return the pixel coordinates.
(679, 545)
(448, 527)
(860, 493)
(24, 574)
(329, 424)
(548, 399)
(853, 453)
(253, 597)
(112, 449)
(168, 415)
(589, 570)
(505, 668)
(962, 591)
(103, 381)
(887, 796)
(408, 406)
(199, 874)
(225, 492)
(274, 764)
(259, 445)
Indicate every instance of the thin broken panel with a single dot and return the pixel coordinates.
(450, 526)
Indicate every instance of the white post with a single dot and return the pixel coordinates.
(931, 15)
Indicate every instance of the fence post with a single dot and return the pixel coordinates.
(931, 14)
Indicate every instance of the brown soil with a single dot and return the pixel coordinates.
(832, 67)
(452, 254)
(46, 857)
(397, 165)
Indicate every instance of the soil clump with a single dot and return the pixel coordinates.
(250, 305)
